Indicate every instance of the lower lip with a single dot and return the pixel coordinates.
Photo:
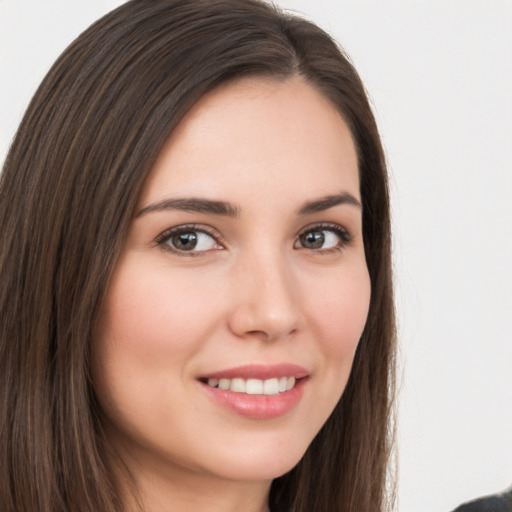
(258, 407)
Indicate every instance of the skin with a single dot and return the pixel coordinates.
(250, 292)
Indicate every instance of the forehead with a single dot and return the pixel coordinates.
(256, 132)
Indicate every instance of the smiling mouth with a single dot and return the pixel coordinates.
(272, 386)
(257, 391)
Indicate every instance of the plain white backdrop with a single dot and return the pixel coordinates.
(440, 78)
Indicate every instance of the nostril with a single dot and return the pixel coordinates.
(264, 315)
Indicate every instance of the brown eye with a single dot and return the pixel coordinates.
(323, 238)
(186, 239)
(312, 239)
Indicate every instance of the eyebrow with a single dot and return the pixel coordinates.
(224, 208)
(324, 203)
(193, 205)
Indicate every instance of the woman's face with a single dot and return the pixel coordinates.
(230, 324)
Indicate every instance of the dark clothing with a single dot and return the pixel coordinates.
(496, 503)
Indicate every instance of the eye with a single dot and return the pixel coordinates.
(188, 239)
(323, 238)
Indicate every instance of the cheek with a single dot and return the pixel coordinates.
(150, 316)
(141, 341)
(340, 309)
(148, 330)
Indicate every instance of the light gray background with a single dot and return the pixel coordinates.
(440, 78)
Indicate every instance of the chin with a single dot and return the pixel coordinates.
(260, 462)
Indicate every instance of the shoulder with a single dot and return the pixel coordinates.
(495, 503)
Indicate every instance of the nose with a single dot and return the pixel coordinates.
(266, 302)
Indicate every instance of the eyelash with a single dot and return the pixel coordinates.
(164, 237)
(344, 236)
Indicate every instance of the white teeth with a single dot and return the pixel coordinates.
(238, 386)
(254, 386)
(271, 387)
(224, 384)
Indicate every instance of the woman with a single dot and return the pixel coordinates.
(196, 303)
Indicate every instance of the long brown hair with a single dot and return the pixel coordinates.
(67, 195)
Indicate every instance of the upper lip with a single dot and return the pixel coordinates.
(259, 371)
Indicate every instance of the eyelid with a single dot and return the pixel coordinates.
(344, 234)
(165, 235)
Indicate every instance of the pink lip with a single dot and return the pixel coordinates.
(259, 371)
(259, 407)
